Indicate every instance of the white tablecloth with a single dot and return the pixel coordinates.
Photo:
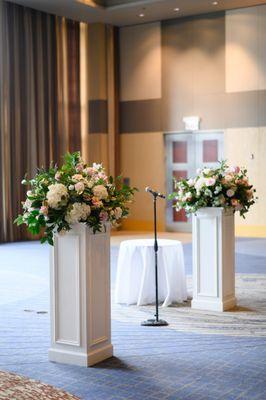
(135, 282)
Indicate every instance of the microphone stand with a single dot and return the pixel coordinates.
(156, 321)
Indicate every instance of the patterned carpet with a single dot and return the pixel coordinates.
(199, 356)
(15, 387)
(247, 319)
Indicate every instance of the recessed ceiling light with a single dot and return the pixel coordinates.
(141, 15)
(215, 3)
(176, 9)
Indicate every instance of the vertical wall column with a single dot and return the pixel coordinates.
(98, 95)
(142, 145)
(113, 99)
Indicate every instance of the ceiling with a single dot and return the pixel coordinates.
(127, 12)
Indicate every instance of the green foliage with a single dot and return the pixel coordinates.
(60, 197)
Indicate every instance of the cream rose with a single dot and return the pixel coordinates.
(100, 191)
(77, 177)
(118, 212)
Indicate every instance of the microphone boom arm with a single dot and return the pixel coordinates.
(154, 193)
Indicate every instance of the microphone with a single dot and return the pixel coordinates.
(154, 193)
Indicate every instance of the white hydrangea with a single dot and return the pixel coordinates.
(56, 194)
(100, 191)
(79, 212)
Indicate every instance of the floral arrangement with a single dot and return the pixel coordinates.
(225, 186)
(60, 197)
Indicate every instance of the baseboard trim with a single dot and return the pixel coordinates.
(204, 304)
(81, 359)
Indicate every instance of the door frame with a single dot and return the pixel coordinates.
(169, 224)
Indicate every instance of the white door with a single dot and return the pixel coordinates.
(185, 152)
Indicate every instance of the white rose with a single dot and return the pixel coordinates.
(100, 191)
(118, 212)
(199, 184)
(190, 182)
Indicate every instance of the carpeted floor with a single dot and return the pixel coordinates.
(184, 361)
(247, 319)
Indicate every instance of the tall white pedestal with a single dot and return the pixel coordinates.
(213, 259)
(80, 297)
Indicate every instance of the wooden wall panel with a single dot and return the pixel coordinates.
(245, 49)
(140, 62)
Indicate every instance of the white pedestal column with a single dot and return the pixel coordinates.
(80, 297)
(213, 259)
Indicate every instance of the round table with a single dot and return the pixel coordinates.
(135, 281)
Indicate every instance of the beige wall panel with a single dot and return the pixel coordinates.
(192, 67)
(140, 62)
(97, 62)
(245, 49)
(209, 54)
(262, 107)
(212, 110)
(98, 149)
(142, 160)
(262, 47)
(240, 144)
(242, 109)
(177, 70)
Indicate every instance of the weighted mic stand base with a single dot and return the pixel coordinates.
(154, 322)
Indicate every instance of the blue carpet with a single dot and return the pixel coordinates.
(250, 256)
(149, 363)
